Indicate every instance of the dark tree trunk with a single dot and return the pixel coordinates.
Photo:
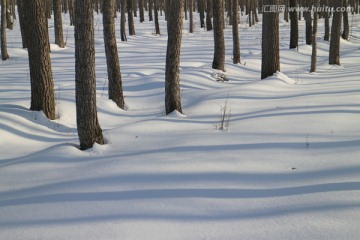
(219, 42)
(327, 26)
(156, 13)
(123, 21)
(191, 14)
(141, 10)
(130, 12)
(201, 9)
(59, 37)
(270, 42)
(4, 52)
(235, 30)
(294, 21)
(42, 86)
(88, 126)
(112, 58)
(23, 23)
(346, 28)
(172, 71)
(308, 23)
(150, 10)
(334, 52)
(71, 12)
(314, 41)
(209, 25)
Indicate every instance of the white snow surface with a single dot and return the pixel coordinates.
(287, 168)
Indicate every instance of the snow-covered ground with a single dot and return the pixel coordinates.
(287, 168)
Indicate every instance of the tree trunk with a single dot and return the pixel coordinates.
(123, 21)
(87, 121)
(201, 9)
(270, 42)
(4, 52)
(219, 42)
(209, 25)
(59, 37)
(156, 13)
(327, 26)
(334, 52)
(314, 42)
(42, 86)
(346, 31)
(150, 10)
(191, 14)
(141, 11)
(130, 12)
(23, 23)
(235, 30)
(112, 58)
(308, 23)
(172, 71)
(294, 21)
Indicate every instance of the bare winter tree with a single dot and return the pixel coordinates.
(314, 41)
(42, 86)
(294, 30)
(59, 36)
(4, 52)
(270, 40)
(123, 20)
(112, 58)
(191, 14)
(130, 12)
(209, 25)
(88, 126)
(156, 13)
(235, 30)
(334, 52)
(172, 71)
(219, 41)
(23, 25)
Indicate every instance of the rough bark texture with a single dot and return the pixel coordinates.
(294, 30)
(172, 71)
(308, 23)
(42, 86)
(141, 10)
(334, 52)
(58, 28)
(4, 52)
(156, 13)
(219, 42)
(209, 25)
(112, 58)
(130, 12)
(235, 30)
(87, 121)
(59, 36)
(327, 26)
(346, 28)
(23, 23)
(191, 15)
(270, 42)
(123, 21)
(314, 42)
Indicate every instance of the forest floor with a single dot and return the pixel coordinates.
(285, 166)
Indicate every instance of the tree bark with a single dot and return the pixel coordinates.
(156, 13)
(23, 23)
(209, 25)
(59, 36)
(42, 86)
(191, 15)
(86, 113)
(294, 22)
(219, 41)
(112, 58)
(334, 52)
(314, 41)
(172, 71)
(235, 30)
(4, 52)
(346, 27)
(123, 20)
(270, 42)
(130, 12)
